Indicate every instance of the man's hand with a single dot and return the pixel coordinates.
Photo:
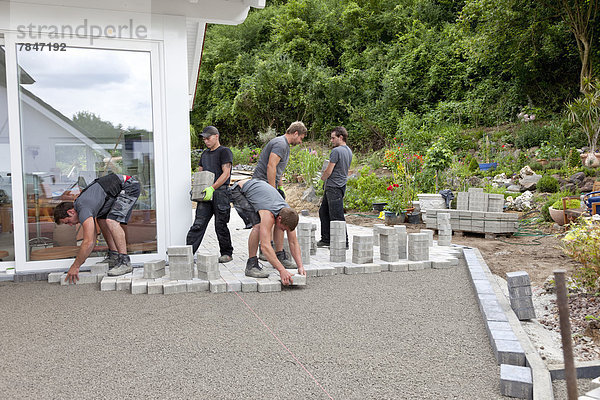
(281, 191)
(208, 193)
(301, 270)
(286, 277)
(72, 274)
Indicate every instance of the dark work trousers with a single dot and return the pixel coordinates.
(332, 209)
(219, 207)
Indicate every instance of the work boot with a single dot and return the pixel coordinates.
(225, 258)
(321, 243)
(111, 258)
(122, 267)
(254, 270)
(285, 260)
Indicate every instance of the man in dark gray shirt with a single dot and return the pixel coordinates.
(261, 207)
(109, 200)
(335, 177)
(271, 164)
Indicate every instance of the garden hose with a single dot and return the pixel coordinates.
(364, 215)
(527, 228)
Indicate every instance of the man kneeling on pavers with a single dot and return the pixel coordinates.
(261, 207)
(109, 200)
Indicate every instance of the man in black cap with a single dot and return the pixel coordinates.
(218, 160)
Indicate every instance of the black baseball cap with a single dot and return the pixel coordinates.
(209, 131)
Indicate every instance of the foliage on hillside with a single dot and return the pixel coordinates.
(384, 68)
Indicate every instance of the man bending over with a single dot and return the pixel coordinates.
(109, 200)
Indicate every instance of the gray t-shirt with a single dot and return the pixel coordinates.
(279, 146)
(263, 196)
(93, 202)
(90, 202)
(342, 157)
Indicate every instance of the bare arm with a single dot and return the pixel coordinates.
(327, 173)
(274, 160)
(267, 220)
(224, 176)
(89, 239)
(295, 250)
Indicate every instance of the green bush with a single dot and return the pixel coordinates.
(544, 213)
(304, 165)
(362, 190)
(530, 135)
(245, 155)
(473, 164)
(548, 184)
(196, 153)
(573, 158)
(571, 204)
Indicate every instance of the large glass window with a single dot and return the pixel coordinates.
(7, 248)
(84, 113)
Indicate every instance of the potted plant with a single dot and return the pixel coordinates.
(404, 166)
(546, 153)
(557, 214)
(397, 205)
(585, 111)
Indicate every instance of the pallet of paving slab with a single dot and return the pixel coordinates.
(486, 235)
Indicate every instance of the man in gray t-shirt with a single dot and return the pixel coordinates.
(275, 155)
(272, 162)
(335, 177)
(260, 206)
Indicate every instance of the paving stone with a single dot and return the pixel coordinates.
(326, 271)
(108, 283)
(521, 302)
(99, 268)
(268, 286)
(371, 268)
(155, 286)
(520, 291)
(197, 285)
(398, 266)
(354, 269)
(218, 286)
(415, 265)
(384, 266)
(503, 335)
(233, 285)
(298, 280)
(440, 264)
(209, 276)
(509, 352)
(249, 284)
(54, 277)
(139, 286)
(483, 286)
(123, 284)
(173, 287)
(525, 313)
(516, 381)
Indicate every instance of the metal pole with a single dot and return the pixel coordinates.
(565, 333)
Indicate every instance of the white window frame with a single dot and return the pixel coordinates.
(155, 48)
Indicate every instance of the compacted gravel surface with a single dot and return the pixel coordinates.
(413, 335)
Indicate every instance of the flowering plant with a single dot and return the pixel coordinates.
(404, 166)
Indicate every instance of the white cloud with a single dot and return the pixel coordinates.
(113, 84)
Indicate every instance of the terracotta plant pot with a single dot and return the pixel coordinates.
(558, 216)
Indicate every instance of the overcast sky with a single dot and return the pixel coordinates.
(115, 85)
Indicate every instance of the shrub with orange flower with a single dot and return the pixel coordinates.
(405, 165)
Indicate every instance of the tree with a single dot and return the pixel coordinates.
(579, 16)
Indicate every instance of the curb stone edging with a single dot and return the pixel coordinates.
(483, 281)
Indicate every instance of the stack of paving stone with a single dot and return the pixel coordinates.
(154, 269)
(402, 237)
(304, 230)
(337, 242)
(429, 233)
(208, 267)
(444, 229)
(200, 181)
(418, 247)
(477, 212)
(362, 249)
(388, 244)
(519, 291)
(181, 262)
(376, 233)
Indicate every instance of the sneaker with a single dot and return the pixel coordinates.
(254, 270)
(122, 267)
(225, 258)
(111, 259)
(285, 260)
(321, 243)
